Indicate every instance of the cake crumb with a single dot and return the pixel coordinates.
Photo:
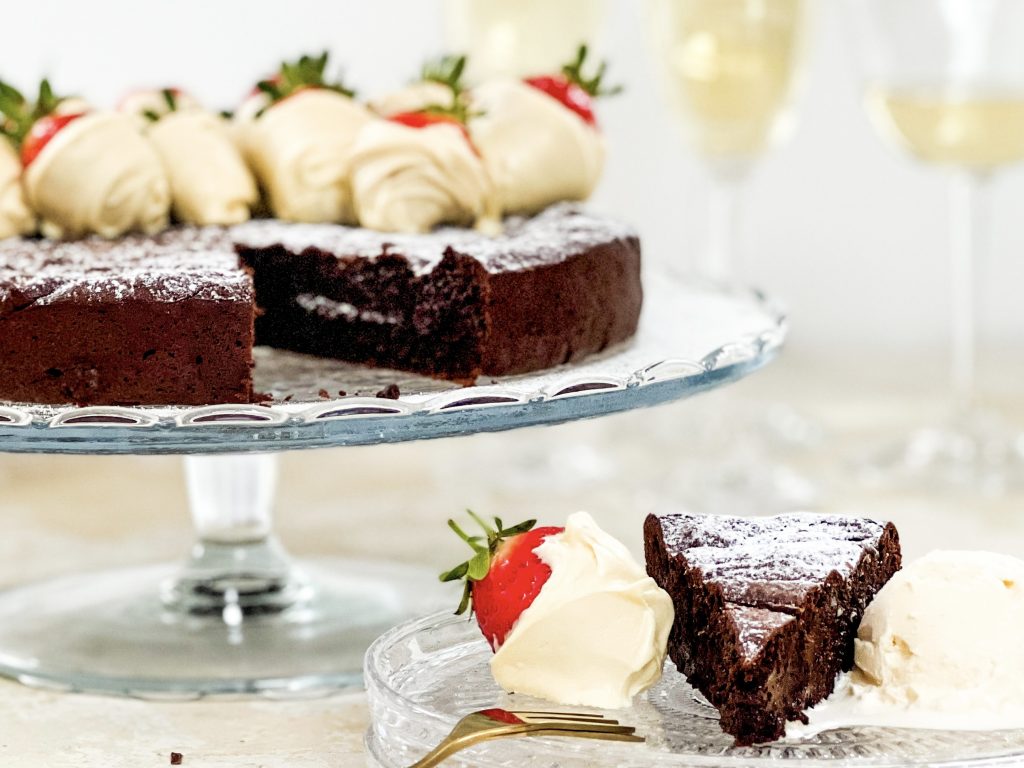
(324, 394)
(390, 392)
(176, 758)
(342, 393)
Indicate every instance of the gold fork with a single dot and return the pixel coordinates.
(488, 724)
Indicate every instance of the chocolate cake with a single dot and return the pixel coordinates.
(767, 608)
(169, 319)
(453, 303)
(163, 319)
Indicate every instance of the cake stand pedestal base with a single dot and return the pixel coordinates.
(237, 617)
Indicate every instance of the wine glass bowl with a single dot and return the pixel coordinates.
(730, 68)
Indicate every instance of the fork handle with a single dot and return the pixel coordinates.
(444, 750)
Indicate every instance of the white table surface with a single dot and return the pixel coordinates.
(69, 514)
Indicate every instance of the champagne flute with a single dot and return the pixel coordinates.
(945, 84)
(731, 69)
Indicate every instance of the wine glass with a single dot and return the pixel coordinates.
(731, 69)
(945, 84)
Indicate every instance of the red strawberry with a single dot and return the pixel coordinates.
(503, 577)
(427, 118)
(40, 134)
(573, 89)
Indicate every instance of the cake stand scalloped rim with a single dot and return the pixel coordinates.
(566, 394)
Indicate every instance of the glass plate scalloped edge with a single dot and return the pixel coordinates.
(690, 339)
(425, 674)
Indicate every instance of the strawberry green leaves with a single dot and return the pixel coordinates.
(484, 548)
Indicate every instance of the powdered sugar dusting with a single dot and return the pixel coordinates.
(755, 626)
(556, 234)
(179, 264)
(770, 562)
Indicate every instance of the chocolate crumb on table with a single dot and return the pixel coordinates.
(176, 758)
(390, 392)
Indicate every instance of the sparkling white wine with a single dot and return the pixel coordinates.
(980, 130)
(520, 37)
(731, 67)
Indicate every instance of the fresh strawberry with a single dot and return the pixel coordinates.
(427, 118)
(40, 134)
(503, 577)
(296, 76)
(573, 89)
(32, 126)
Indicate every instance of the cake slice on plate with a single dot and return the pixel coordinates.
(767, 608)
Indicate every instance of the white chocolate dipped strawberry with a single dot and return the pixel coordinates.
(418, 169)
(89, 172)
(539, 137)
(296, 132)
(210, 182)
(570, 615)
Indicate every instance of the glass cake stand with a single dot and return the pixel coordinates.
(239, 616)
(423, 676)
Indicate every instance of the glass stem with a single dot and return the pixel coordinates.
(968, 235)
(236, 568)
(722, 259)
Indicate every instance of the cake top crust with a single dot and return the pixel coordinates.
(174, 265)
(770, 562)
(554, 235)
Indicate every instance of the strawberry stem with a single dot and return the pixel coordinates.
(573, 72)
(306, 72)
(447, 71)
(17, 115)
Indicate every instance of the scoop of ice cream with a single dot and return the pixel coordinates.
(98, 174)
(936, 649)
(597, 633)
(535, 150)
(412, 98)
(936, 634)
(15, 216)
(210, 183)
(299, 149)
(412, 179)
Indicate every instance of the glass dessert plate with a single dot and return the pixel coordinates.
(423, 676)
(239, 616)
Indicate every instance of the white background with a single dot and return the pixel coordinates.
(852, 236)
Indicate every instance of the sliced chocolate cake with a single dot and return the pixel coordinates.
(767, 608)
(162, 319)
(453, 303)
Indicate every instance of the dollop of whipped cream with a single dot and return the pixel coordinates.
(536, 151)
(98, 174)
(210, 183)
(411, 179)
(300, 150)
(597, 633)
(412, 98)
(15, 216)
(936, 648)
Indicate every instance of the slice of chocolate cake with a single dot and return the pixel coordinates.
(453, 303)
(166, 319)
(767, 608)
